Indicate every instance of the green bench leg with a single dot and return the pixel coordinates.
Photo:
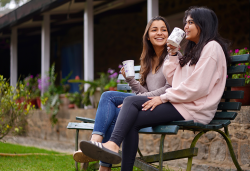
(161, 151)
(230, 147)
(229, 144)
(189, 165)
(76, 147)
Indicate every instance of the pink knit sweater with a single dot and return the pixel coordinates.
(196, 90)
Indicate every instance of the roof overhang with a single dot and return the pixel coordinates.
(30, 15)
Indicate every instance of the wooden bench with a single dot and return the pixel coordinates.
(221, 120)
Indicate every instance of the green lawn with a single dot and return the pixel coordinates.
(53, 161)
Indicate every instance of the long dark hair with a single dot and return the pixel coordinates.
(206, 20)
(148, 51)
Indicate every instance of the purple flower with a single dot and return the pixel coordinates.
(231, 51)
(111, 71)
(118, 81)
(237, 50)
(28, 84)
(43, 83)
(31, 76)
(119, 66)
(113, 75)
(245, 48)
(248, 67)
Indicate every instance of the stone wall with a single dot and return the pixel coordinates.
(212, 154)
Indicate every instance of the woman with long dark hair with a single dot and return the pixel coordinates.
(198, 80)
(152, 83)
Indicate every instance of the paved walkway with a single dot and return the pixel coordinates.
(49, 145)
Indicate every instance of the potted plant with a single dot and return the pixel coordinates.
(111, 86)
(94, 86)
(51, 96)
(75, 99)
(246, 88)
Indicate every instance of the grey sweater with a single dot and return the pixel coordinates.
(156, 84)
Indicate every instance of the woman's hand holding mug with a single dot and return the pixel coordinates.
(172, 50)
(123, 72)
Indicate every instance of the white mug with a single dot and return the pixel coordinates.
(129, 68)
(176, 37)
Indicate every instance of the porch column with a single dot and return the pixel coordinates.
(45, 49)
(88, 42)
(153, 8)
(13, 57)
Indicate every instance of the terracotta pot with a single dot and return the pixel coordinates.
(246, 100)
(38, 102)
(71, 106)
(112, 88)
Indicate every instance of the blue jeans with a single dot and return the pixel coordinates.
(107, 113)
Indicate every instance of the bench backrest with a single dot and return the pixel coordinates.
(228, 93)
(223, 107)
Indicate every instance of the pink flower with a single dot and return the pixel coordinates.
(28, 84)
(248, 76)
(245, 48)
(118, 81)
(245, 76)
(31, 76)
(230, 51)
(239, 64)
(248, 67)
(237, 50)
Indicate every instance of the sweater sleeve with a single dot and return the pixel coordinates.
(136, 87)
(156, 92)
(170, 66)
(198, 84)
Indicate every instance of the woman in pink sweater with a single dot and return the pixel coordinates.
(198, 79)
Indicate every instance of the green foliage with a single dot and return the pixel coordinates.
(75, 98)
(50, 98)
(93, 85)
(12, 111)
(247, 74)
(31, 85)
(112, 77)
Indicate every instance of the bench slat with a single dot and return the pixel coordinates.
(82, 126)
(178, 154)
(137, 76)
(235, 82)
(229, 106)
(85, 120)
(225, 115)
(239, 69)
(160, 129)
(144, 166)
(233, 95)
(240, 58)
(123, 87)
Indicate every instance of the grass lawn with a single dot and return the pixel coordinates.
(51, 161)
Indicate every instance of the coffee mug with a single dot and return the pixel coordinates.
(176, 37)
(129, 68)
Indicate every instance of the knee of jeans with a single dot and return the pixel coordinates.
(106, 94)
